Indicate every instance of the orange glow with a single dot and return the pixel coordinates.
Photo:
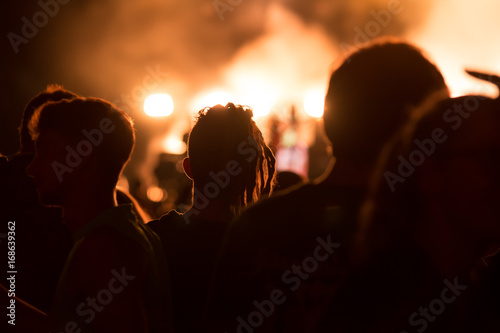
(173, 145)
(459, 35)
(261, 101)
(314, 103)
(212, 98)
(159, 105)
(156, 194)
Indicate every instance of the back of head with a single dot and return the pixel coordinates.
(91, 127)
(52, 93)
(450, 156)
(370, 96)
(228, 155)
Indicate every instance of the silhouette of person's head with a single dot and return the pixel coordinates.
(228, 158)
(52, 93)
(370, 96)
(441, 173)
(80, 143)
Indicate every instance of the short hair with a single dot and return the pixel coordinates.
(228, 133)
(75, 118)
(371, 94)
(54, 92)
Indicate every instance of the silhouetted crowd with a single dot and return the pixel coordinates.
(400, 234)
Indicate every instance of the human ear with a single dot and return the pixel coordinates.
(186, 165)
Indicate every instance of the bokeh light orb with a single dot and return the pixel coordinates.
(261, 101)
(159, 105)
(314, 103)
(156, 194)
(173, 145)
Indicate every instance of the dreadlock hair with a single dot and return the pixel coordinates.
(226, 142)
(53, 93)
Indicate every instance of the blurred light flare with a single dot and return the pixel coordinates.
(314, 103)
(156, 194)
(211, 99)
(159, 105)
(173, 145)
(459, 35)
(261, 101)
(260, 110)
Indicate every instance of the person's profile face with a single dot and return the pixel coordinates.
(49, 169)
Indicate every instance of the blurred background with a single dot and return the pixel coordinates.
(163, 60)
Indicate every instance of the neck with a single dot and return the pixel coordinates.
(80, 208)
(210, 209)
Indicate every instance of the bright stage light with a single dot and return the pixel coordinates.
(261, 110)
(261, 102)
(174, 145)
(159, 105)
(314, 103)
(211, 99)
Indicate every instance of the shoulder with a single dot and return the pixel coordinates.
(168, 223)
(107, 243)
(283, 205)
(294, 194)
(106, 238)
(106, 265)
(171, 219)
(101, 253)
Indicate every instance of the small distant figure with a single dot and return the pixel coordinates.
(231, 167)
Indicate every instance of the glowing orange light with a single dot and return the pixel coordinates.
(159, 105)
(211, 99)
(314, 103)
(261, 102)
(174, 145)
(156, 194)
